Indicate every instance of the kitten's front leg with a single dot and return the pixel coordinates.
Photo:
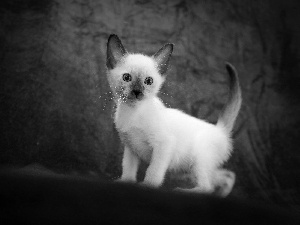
(130, 165)
(161, 157)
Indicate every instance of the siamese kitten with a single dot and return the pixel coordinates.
(166, 138)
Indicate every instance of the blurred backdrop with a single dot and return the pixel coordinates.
(56, 109)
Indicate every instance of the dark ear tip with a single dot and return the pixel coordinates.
(113, 36)
(170, 45)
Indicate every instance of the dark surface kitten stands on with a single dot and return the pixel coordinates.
(46, 198)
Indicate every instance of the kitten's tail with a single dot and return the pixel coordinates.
(233, 105)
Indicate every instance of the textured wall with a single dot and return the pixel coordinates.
(53, 73)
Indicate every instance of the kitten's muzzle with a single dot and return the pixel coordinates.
(138, 94)
(137, 89)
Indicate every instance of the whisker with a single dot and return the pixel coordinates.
(105, 98)
(168, 95)
(164, 93)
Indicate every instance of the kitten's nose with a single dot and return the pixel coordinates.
(137, 93)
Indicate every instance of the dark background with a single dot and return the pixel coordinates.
(56, 109)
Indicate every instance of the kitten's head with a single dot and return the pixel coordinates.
(134, 77)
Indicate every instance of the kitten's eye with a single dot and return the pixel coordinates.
(148, 80)
(127, 77)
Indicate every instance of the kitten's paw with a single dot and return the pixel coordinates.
(143, 184)
(182, 189)
(179, 189)
(124, 180)
(148, 184)
(118, 180)
(225, 182)
(193, 190)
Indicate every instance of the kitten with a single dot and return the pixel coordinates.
(167, 138)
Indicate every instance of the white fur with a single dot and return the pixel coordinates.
(169, 139)
(166, 138)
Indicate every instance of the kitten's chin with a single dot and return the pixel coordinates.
(133, 101)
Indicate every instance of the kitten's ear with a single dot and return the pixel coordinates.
(115, 51)
(162, 57)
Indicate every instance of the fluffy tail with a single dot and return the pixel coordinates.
(233, 105)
